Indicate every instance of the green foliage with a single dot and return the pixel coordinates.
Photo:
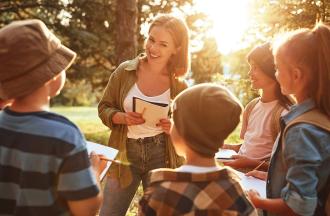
(89, 28)
(269, 18)
(238, 81)
(206, 63)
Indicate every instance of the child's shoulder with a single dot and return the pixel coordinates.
(166, 174)
(51, 125)
(63, 128)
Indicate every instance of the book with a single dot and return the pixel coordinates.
(152, 112)
(106, 151)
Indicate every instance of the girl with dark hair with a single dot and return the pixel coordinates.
(260, 125)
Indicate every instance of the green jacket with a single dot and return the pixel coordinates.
(120, 82)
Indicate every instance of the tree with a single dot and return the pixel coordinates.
(269, 18)
(206, 63)
(126, 28)
(102, 32)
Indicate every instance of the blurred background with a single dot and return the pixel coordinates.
(106, 32)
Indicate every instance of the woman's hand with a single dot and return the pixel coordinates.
(258, 174)
(129, 118)
(240, 161)
(165, 124)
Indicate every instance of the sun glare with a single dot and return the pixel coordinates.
(230, 21)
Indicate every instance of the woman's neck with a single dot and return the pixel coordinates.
(156, 68)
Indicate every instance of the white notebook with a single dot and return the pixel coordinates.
(108, 152)
(225, 154)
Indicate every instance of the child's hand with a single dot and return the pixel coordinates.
(258, 174)
(254, 196)
(240, 161)
(165, 124)
(97, 164)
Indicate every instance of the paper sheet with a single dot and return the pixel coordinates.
(108, 152)
(225, 154)
(248, 182)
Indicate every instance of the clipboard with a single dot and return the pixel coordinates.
(107, 151)
(135, 99)
(152, 111)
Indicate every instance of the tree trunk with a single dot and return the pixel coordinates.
(126, 30)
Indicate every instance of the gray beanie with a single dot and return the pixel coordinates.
(204, 115)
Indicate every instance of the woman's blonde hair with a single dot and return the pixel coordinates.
(309, 50)
(179, 63)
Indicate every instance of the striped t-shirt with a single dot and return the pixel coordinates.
(43, 163)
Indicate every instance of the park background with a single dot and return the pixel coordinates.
(106, 32)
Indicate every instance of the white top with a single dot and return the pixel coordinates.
(142, 130)
(258, 140)
(197, 169)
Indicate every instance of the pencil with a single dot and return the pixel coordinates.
(257, 167)
(115, 161)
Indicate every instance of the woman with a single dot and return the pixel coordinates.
(153, 76)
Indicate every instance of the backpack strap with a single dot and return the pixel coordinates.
(314, 117)
(275, 123)
(275, 120)
(247, 111)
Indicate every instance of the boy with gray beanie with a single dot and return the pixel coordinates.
(44, 165)
(203, 117)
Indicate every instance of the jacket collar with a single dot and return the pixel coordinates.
(299, 109)
(134, 63)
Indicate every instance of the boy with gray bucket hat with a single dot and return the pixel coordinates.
(44, 165)
(203, 117)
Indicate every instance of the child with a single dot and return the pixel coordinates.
(298, 175)
(261, 116)
(203, 116)
(44, 166)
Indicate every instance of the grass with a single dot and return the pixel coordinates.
(89, 123)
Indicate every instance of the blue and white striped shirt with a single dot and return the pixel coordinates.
(43, 163)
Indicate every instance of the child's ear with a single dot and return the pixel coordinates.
(297, 75)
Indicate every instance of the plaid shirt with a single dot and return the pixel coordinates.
(194, 194)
